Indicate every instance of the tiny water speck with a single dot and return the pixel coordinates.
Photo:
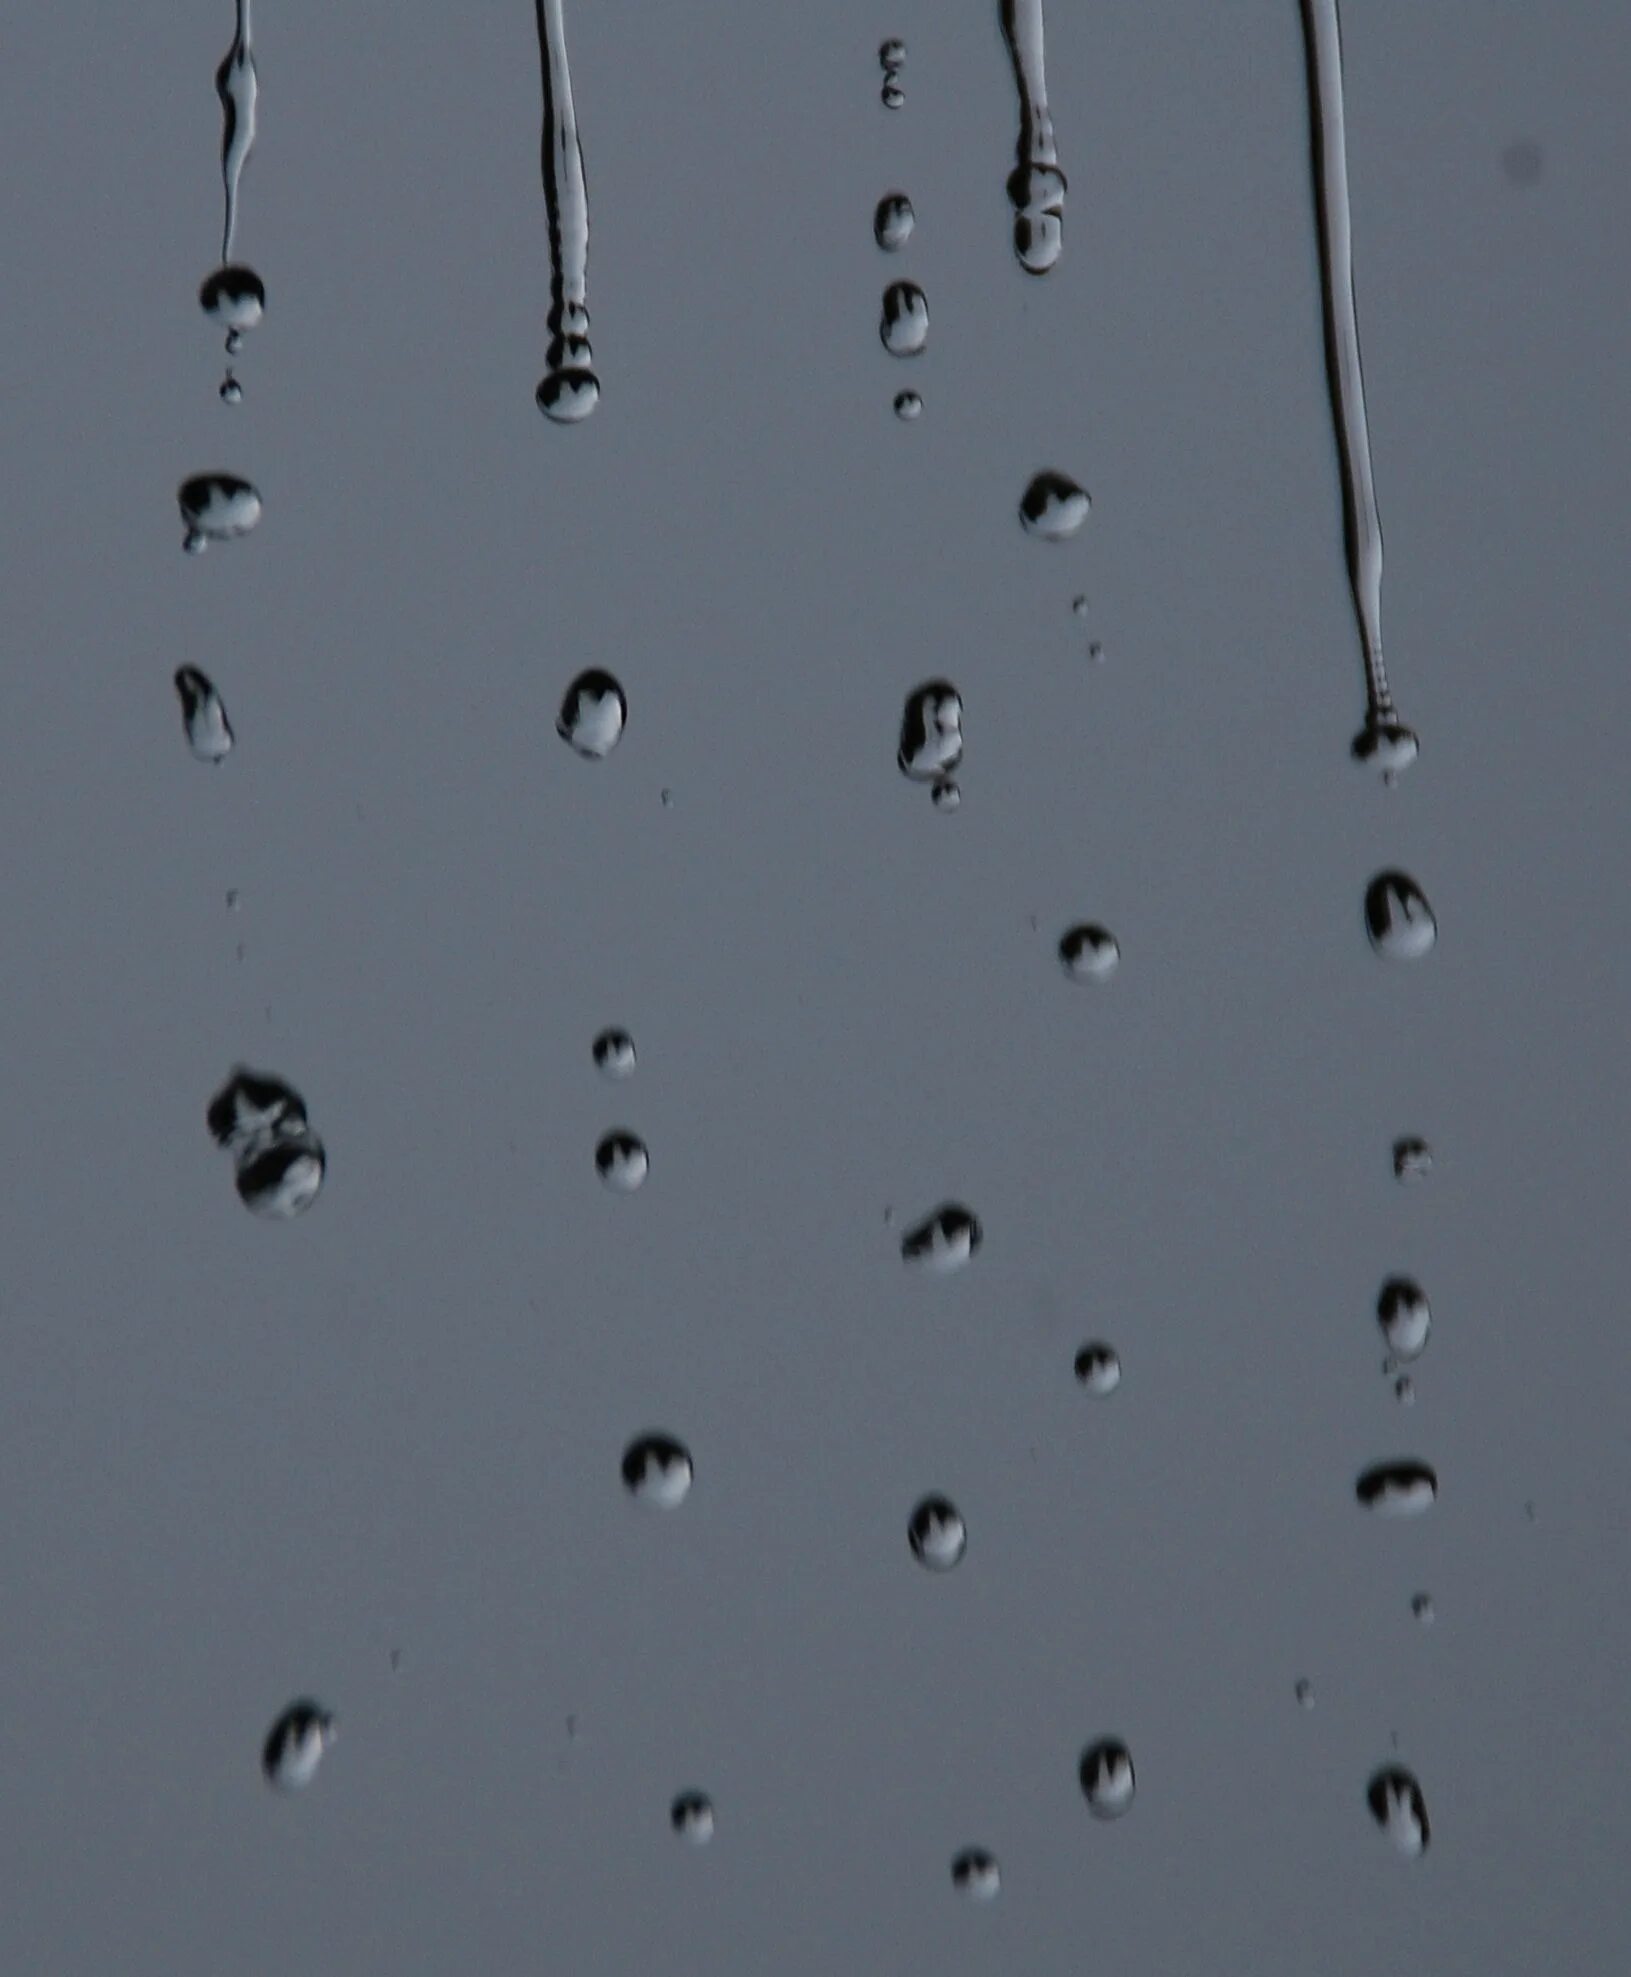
(1412, 1159)
(1106, 1773)
(203, 715)
(908, 406)
(1098, 1367)
(1398, 1807)
(1080, 606)
(931, 732)
(295, 1745)
(904, 326)
(1402, 1488)
(692, 1817)
(1398, 919)
(945, 795)
(944, 1240)
(1053, 507)
(1404, 1390)
(614, 1053)
(1305, 1694)
(975, 1873)
(1406, 1320)
(1421, 1605)
(1089, 953)
(937, 1534)
(657, 1470)
(216, 508)
(592, 715)
(621, 1160)
(893, 222)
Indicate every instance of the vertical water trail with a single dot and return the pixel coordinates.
(1036, 186)
(569, 390)
(233, 294)
(1384, 740)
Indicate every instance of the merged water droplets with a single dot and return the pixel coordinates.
(592, 715)
(893, 221)
(295, 1745)
(1402, 1312)
(1098, 1367)
(943, 1241)
(233, 295)
(931, 732)
(569, 390)
(892, 60)
(1398, 919)
(1412, 1159)
(1106, 1773)
(614, 1053)
(278, 1161)
(1089, 953)
(203, 715)
(216, 508)
(1403, 1488)
(1053, 507)
(692, 1817)
(1036, 186)
(904, 326)
(657, 1470)
(937, 1534)
(1398, 1807)
(621, 1160)
(975, 1873)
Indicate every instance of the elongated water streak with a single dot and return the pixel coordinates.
(569, 390)
(233, 294)
(1384, 740)
(1036, 186)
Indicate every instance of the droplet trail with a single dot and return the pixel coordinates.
(1036, 185)
(569, 390)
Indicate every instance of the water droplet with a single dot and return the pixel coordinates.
(279, 1160)
(1404, 1488)
(1079, 606)
(1095, 652)
(892, 57)
(657, 1469)
(692, 1817)
(892, 95)
(1403, 1314)
(1386, 745)
(893, 222)
(1053, 507)
(1522, 161)
(1404, 1390)
(233, 296)
(1107, 1778)
(295, 1745)
(892, 52)
(1412, 1159)
(592, 715)
(203, 716)
(905, 324)
(931, 731)
(1089, 953)
(1305, 1693)
(569, 390)
(1037, 195)
(232, 393)
(1397, 1806)
(975, 1873)
(1422, 1606)
(944, 1241)
(1098, 1367)
(1398, 918)
(614, 1053)
(945, 795)
(621, 1161)
(215, 508)
(232, 899)
(937, 1534)
(908, 406)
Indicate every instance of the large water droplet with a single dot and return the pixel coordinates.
(1412, 1159)
(1053, 507)
(1398, 1807)
(1098, 1367)
(944, 1241)
(931, 731)
(893, 222)
(203, 715)
(1404, 1488)
(1398, 918)
(1106, 1773)
(1403, 1314)
(908, 406)
(621, 1161)
(614, 1053)
(568, 395)
(1089, 953)
(215, 508)
(657, 1469)
(592, 714)
(937, 1534)
(975, 1873)
(233, 296)
(295, 1745)
(692, 1817)
(905, 324)
(279, 1161)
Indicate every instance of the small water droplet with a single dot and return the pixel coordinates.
(937, 1534)
(1522, 161)
(892, 95)
(295, 1745)
(945, 795)
(1079, 606)
(1412, 1159)
(234, 342)
(203, 715)
(232, 899)
(1305, 1693)
(931, 732)
(233, 296)
(892, 52)
(657, 1470)
(1089, 953)
(1385, 744)
(908, 406)
(1398, 1807)
(1098, 1367)
(905, 324)
(893, 222)
(975, 1873)
(592, 715)
(279, 1160)
(1106, 1773)
(944, 1241)
(1404, 1390)
(1402, 1312)
(1398, 918)
(621, 1161)
(232, 392)
(667, 798)
(1404, 1488)
(1421, 1605)
(215, 508)
(1095, 652)
(1053, 507)
(692, 1817)
(614, 1053)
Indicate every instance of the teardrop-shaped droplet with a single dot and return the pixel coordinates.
(975, 1873)
(1106, 1772)
(295, 1745)
(893, 222)
(232, 393)
(1398, 1489)
(1398, 1807)
(657, 1469)
(1053, 507)
(621, 1161)
(215, 508)
(1089, 953)
(905, 323)
(908, 406)
(931, 732)
(203, 715)
(1098, 1367)
(1412, 1159)
(592, 714)
(614, 1053)
(1398, 918)
(692, 1817)
(937, 1534)
(1402, 1312)
(233, 296)
(944, 1241)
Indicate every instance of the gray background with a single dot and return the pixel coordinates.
(241, 1461)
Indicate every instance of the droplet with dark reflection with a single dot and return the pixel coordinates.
(1053, 506)
(943, 1241)
(1398, 1807)
(232, 392)
(295, 1745)
(908, 406)
(1412, 1159)
(234, 297)
(1106, 1773)
(216, 508)
(937, 1534)
(614, 1053)
(892, 59)
(592, 715)
(1421, 1605)
(944, 794)
(1402, 1488)
(1398, 919)
(1305, 1693)
(1036, 185)
(931, 731)
(1404, 1390)
(203, 715)
(1098, 1367)
(657, 1470)
(692, 1817)
(278, 1161)
(1403, 1313)
(621, 1160)
(904, 326)
(975, 1873)
(1089, 953)
(893, 222)
(569, 390)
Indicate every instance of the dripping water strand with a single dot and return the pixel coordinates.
(569, 390)
(233, 295)
(1036, 186)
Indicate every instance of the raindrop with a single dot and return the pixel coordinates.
(592, 715)
(893, 95)
(892, 58)
(1421, 1606)
(657, 1469)
(1404, 1390)
(975, 1873)
(1398, 918)
(621, 1161)
(1089, 953)
(1095, 652)
(1098, 1367)
(944, 1241)
(905, 324)
(1107, 1778)
(945, 795)
(1403, 1314)
(569, 390)
(937, 1534)
(692, 1817)
(1053, 507)
(908, 405)
(1404, 1488)
(1412, 1159)
(931, 732)
(215, 508)
(203, 716)
(1079, 606)
(1036, 186)
(1522, 161)
(232, 392)
(279, 1161)
(1397, 1806)
(893, 222)
(234, 297)
(614, 1053)
(1305, 1693)
(295, 1745)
